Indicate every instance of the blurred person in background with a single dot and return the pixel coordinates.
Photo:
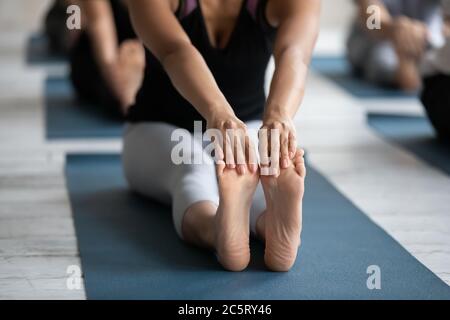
(436, 83)
(107, 61)
(390, 56)
(60, 38)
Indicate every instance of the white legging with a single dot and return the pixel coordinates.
(151, 172)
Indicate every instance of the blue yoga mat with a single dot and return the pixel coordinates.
(69, 118)
(337, 69)
(129, 248)
(39, 53)
(415, 134)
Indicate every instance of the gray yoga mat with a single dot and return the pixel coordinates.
(415, 134)
(69, 118)
(337, 69)
(129, 248)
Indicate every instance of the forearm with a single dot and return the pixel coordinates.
(193, 80)
(296, 38)
(288, 84)
(102, 31)
(163, 35)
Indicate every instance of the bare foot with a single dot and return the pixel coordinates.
(131, 63)
(232, 219)
(281, 223)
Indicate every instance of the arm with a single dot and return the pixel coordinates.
(408, 36)
(298, 27)
(102, 31)
(157, 26)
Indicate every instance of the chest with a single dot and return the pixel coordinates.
(220, 19)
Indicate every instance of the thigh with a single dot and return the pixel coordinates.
(151, 158)
(146, 159)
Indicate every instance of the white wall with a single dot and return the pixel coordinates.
(337, 15)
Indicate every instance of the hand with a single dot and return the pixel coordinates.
(235, 148)
(277, 149)
(409, 37)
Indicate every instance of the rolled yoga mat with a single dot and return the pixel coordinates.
(129, 248)
(415, 134)
(337, 69)
(69, 118)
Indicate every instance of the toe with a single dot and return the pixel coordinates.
(279, 262)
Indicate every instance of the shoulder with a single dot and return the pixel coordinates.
(174, 4)
(276, 10)
(271, 12)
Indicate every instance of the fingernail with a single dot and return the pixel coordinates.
(285, 163)
(265, 171)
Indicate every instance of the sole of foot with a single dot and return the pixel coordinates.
(232, 219)
(282, 220)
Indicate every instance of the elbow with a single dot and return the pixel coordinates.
(296, 55)
(175, 52)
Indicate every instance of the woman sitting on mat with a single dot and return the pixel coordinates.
(436, 83)
(107, 62)
(206, 61)
(390, 56)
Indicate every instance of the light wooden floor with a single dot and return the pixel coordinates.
(409, 199)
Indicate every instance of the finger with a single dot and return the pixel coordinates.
(218, 149)
(274, 152)
(284, 150)
(292, 145)
(263, 149)
(251, 155)
(240, 153)
(229, 154)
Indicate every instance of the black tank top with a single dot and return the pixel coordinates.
(239, 68)
(122, 20)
